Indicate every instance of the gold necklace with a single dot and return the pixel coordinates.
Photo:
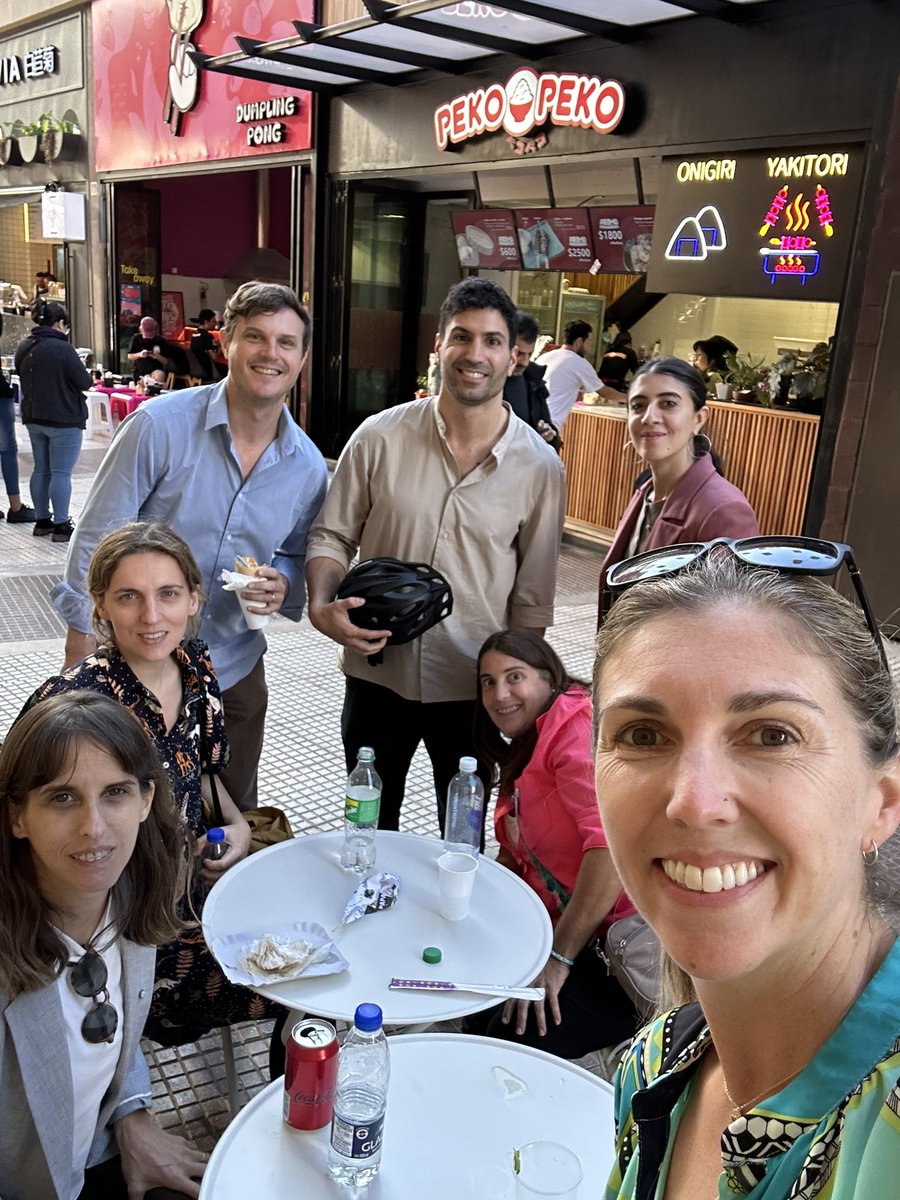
(737, 1110)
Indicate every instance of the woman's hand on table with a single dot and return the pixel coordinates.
(551, 979)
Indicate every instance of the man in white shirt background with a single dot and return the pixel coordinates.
(567, 372)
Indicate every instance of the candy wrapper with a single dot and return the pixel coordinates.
(375, 893)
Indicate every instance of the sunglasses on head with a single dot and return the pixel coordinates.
(88, 978)
(789, 555)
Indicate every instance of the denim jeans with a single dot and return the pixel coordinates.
(9, 462)
(55, 455)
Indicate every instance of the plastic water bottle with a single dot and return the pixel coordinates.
(465, 809)
(357, 1127)
(361, 808)
(216, 846)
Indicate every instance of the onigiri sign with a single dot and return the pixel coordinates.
(527, 100)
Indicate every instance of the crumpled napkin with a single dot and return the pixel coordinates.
(230, 950)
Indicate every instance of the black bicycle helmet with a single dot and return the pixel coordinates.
(406, 598)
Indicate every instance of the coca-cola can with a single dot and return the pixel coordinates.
(310, 1074)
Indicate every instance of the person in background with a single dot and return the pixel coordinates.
(229, 470)
(54, 411)
(149, 352)
(567, 372)
(710, 360)
(525, 391)
(749, 786)
(19, 513)
(146, 590)
(93, 864)
(533, 728)
(454, 481)
(204, 346)
(685, 499)
(619, 362)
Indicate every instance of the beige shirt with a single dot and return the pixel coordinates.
(494, 535)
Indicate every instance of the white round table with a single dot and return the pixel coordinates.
(457, 1108)
(505, 939)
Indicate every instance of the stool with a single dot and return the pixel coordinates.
(99, 414)
(122, 405)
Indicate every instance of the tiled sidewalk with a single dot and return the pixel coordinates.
(301, 768)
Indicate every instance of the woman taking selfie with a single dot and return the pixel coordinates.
(747, 772)
(92, 860)
(685, 499)
(549, 830)
(145, 585)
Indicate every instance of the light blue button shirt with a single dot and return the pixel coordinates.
(172, 460)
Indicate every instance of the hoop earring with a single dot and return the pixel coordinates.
(627, 445)
(870, 857)
(698, 437)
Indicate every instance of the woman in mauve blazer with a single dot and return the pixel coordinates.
(666, 413)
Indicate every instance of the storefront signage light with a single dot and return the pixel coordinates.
(527, 100)
(260, 133)
(14, 68)
(756, 223)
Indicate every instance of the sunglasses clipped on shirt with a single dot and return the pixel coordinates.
(789, 555)
(88, 978)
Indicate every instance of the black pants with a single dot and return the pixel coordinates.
(245, 706)
(595, 1013)
(377, 717)
(106, 1182)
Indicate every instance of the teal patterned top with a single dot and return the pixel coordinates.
(831, 1134)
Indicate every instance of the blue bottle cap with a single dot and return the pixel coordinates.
(368, 1018)
(215, 835)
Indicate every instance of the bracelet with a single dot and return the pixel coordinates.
(569, 962)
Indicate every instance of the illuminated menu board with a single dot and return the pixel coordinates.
(555, 239)
(622, 238)
(776, 224)
(486, 239)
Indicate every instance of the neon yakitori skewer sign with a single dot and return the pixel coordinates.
(762, 223)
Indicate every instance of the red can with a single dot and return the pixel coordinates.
(310, 1074)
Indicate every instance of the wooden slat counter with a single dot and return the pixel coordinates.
(768, 455)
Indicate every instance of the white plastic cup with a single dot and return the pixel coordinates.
(547, 1169)
(723, 391)
(456, 878)
(250, 608)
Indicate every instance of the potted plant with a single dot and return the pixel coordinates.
(749, 378)
(9, 147)
(49, 138)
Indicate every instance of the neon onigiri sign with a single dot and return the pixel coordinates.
(527, 100)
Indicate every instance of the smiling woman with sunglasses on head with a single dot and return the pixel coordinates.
(685, 499)
(748, 780)
(92, 862)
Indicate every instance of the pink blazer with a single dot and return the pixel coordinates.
(702, 505)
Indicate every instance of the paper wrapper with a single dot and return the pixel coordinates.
(235, 581)
(231, 950)
(375, 893)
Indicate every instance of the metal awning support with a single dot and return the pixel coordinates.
(400, 43)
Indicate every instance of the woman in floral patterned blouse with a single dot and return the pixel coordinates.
(145, 585)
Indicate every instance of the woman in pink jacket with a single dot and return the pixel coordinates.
(533, 726)
(685, 499)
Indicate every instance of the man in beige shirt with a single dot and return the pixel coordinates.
(460, 482)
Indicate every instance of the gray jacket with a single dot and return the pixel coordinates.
(36, 1095)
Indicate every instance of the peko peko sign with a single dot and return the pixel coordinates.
(528, 99)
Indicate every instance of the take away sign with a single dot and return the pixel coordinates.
(528, 99)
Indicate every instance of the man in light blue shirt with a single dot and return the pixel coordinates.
(229, 469)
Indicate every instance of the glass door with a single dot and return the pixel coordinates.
(382, 298)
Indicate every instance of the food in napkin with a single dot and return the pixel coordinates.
(275, 957)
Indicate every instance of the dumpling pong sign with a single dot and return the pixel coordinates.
(528, 99)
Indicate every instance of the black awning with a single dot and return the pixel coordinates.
(401, 43)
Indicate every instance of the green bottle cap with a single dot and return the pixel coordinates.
(431, 954)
